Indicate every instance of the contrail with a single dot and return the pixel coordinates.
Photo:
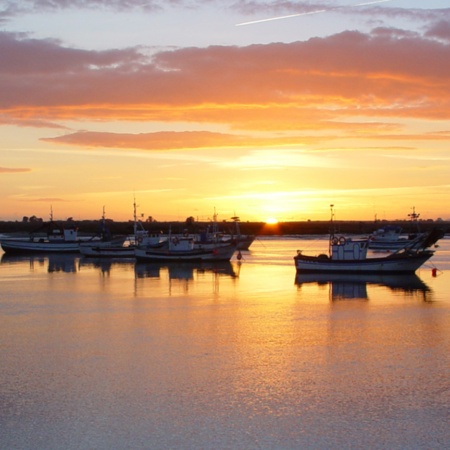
(310, 12)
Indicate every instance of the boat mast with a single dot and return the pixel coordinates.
(331, 229)
(236, 221)
(134, 217)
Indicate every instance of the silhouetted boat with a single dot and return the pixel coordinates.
(348, 255)
(186, 249)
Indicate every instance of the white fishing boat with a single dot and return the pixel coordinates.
(55, 239)
(349, 255)
(121, 246)
(64, 242)
(180, 248)
(391, 237)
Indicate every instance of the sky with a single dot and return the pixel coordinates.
(257, 109)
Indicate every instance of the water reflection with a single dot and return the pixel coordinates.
(186, 271)
(184, 276)
(351, 286)
(105, 265)
(52, 262)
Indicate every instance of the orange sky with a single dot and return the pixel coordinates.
(190, 113)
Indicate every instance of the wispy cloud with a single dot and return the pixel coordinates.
(13, 170)
(313, 11)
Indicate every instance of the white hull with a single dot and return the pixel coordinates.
(38, 246)
(405, 263)
(391, 245)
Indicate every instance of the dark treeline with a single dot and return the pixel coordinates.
(258, 228)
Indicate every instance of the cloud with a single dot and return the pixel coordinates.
(162, 140)
(205, 139)
(13, 170)
(13, 8)
(256, 9)
(440, 30)
(265, 10)
(24, 122)
(319, 83)
(45, 200)
(22, 55)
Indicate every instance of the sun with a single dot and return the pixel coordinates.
(271, 221)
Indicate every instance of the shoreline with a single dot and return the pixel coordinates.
(256, 228)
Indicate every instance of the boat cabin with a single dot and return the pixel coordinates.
(345, 249)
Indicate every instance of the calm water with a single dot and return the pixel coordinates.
(117, 355)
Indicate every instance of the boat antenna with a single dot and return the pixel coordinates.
(414, 216)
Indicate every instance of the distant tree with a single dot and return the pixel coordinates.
(190, 220)
(25, 219)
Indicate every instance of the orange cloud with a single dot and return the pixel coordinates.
(300, 85)
(165, 140)
(13, 170)
(205, 139)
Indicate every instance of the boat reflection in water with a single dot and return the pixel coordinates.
(352, 286)
(52, 262)
(106, 264)
(185, 270)
(183, 278)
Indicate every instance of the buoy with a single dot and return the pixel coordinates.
(433, 271)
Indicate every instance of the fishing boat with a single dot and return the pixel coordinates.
(61, 242)
(55, 239)
(347, 255)
(391, 237)
(214, 236)
(108, 250)
(180, 248)
(244, 240)
(121, 246)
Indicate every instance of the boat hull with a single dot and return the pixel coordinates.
(220, 253)
(18, 246)
(107, 252)
(244, 242)
(405, 263)
(391, 245)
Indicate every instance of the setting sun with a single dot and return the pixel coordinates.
(271, 221)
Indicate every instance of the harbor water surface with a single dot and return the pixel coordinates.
(101, 354)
